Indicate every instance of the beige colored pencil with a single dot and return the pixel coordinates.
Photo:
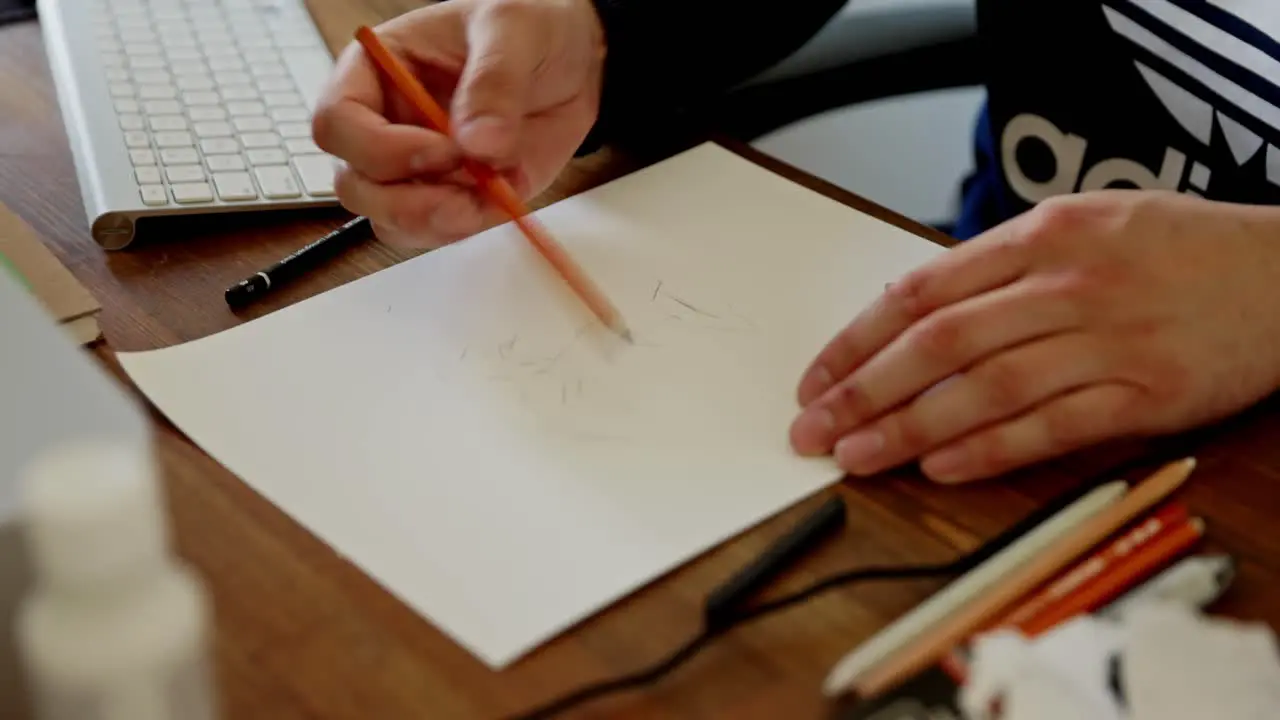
(928, 649)
(933, 612)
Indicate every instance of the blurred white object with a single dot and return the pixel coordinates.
(1173, 664)
(114, 627)
(53, 391)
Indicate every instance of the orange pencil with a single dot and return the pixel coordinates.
(1090, 585)
(933, 647)
(1098, 565)
(1124, 575)
(496, 187)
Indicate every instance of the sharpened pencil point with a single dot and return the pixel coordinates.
(626, 335)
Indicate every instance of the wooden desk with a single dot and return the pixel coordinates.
(303, 635)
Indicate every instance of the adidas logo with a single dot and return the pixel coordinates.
(1197, 48)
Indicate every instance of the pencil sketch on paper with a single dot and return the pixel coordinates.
(583, 380)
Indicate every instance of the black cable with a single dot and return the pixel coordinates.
(737, 618)
(755, 612)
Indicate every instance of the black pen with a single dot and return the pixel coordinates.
(720, 604)
(303, 260)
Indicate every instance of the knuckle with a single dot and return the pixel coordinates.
(940, 339)
(516, 11)
(911, 294)
(911, 432)
(849, 402)
(324, 127)
(1007, 385)
(1064, 425)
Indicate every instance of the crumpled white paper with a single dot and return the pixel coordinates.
(1175, 664)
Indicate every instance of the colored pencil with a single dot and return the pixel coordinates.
(1096, 566)
(971, 585)
(497, 189)
(1133, 569)
(930, 648)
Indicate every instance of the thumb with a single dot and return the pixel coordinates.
(490, 102)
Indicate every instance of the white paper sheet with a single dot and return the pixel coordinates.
(461, 429)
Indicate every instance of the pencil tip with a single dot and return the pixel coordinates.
(626, 335)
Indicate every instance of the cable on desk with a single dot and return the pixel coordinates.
(954, 568)
(694, 645)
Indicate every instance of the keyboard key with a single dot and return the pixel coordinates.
(201, 97)
(192, 192)
(235, 186)
(220, 51)
(184, 53)
(175, 40)
(121, 90)
(206, 112)
(282, 99)
(179, 156)
(134, 21)
(294, 130)
(256, 43)
(296, 41)
(111, 60)
(217, 128)
(277, 182)
(170, 27)
(127, 106)
(258, 56)
(223, 163)
(246, 108)
(188, 67)
(184, 173)
(141, 157)
(139, 49)
(252, 123)
(316, 172)
(232, 77)
(275, 84)
(132, 122)
(137, 139)
(225, 63)
(219, 146)
(302, 146)
(157, 92)
(269, 69)
(260, 140)
(162, 123)
(152, 77)
(117, 75)
(290, 114)
(147, 174)
(239, 92)
(173, 139)
(162, 107)
(153, 195)
(137, 35)
(143, 62)
(195, 82)
(270, 156)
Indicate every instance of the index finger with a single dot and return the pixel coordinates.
(989, 261)
(351, 123)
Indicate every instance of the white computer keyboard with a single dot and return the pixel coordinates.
(188, 106)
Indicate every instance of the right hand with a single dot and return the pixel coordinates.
(521, 80)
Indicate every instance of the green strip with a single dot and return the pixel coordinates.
(4, 261)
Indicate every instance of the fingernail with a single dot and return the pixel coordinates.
(813, 430)
(860, 448)
(486, 135)
(419, 162)
(947, 465)
(820, 381)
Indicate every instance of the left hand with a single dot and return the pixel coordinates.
(1090, 317)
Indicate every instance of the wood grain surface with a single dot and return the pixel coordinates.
(303, 635)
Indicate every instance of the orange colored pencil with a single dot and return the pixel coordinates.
(498, 190)
(933, 647)
(1150, 558)
(1096, 566)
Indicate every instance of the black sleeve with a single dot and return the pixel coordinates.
(665, 57)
